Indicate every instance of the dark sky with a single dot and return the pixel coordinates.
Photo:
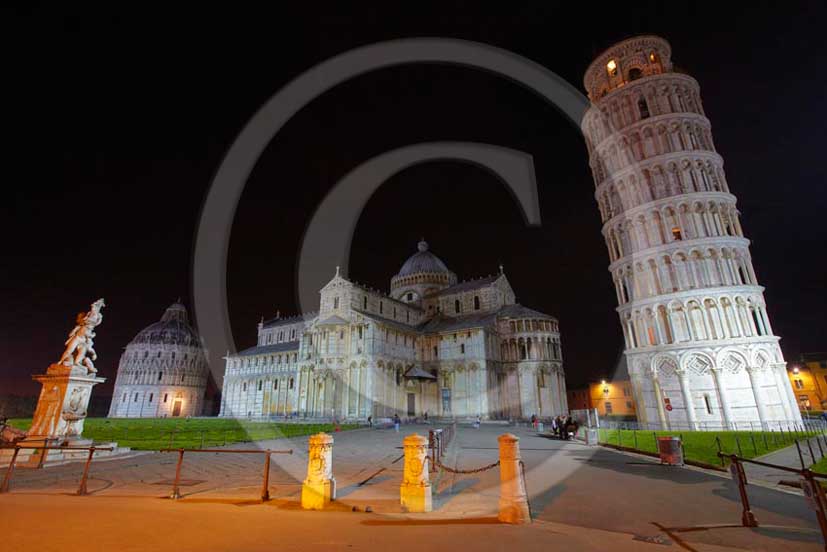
(117, 121)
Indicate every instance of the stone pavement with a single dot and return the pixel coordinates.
(787, 457)
(582, 498)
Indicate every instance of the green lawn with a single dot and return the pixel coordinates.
(702, 446)
(157, 433)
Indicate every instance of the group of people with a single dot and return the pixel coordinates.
(564, 427)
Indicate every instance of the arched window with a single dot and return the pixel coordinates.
(635, 73)
(365, 303)
(456, 305)
(642, 107)
(151, 395)
(160, 375)
(476, 302)
(290, 383)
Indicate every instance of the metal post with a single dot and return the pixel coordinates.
(718, 440)
(7, 478)
(821, 502)
(738, 442)
(265, 486)
(176, 494)
(202, 440)
(634, 434)
(754, 448)
(432, 444)
(800, 458)
(747, 517)
(812, 456)
(85, 476)
(820, 450)
(764, 435)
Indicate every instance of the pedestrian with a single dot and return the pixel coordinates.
(534, 422)
(396, 422)
(426, 416)
(370, 421)
(478, 422)
(554, 426)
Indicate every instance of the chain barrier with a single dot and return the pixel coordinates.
(442, 466)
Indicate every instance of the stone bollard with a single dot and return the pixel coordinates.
(319, 488)
(415, 492)
(513, 498)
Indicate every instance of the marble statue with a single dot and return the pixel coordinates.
(79, 351)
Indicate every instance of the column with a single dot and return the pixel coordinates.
(658, 329)
(794, 409)
(664, 423)
(722, 398)
(689, 405)
(640, 401)
(781, 382)
(754, 374)
(766, 320)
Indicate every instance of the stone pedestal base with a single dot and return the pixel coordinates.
(318, 494)
(38, 458)
(64, 398)
(416, 498)
(514, 511)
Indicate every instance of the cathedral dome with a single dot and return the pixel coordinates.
(422, 273)
(423, 261)
(172, 329)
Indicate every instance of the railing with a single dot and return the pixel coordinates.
(4, 488)
(155, 438)
(265, 485)
(806, 425)
(813, 491)
(438, 441)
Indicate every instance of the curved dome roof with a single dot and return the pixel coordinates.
(172, 329)
(423, 261)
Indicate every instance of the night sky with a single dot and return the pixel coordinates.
(118, 120)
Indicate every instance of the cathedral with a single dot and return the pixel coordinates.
(433, 346)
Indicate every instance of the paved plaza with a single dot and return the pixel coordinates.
(581, 498)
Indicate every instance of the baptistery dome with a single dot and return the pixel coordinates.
(163, 370)
(172, 329)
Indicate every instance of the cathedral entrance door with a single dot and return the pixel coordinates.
(176, 408)
(411, 404)
(446, 401)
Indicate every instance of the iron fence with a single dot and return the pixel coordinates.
(4, 487)
(265, 485)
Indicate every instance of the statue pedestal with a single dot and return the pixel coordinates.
(59, 416)
(64, 398)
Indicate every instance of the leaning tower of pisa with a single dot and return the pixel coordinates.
(699, 345)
